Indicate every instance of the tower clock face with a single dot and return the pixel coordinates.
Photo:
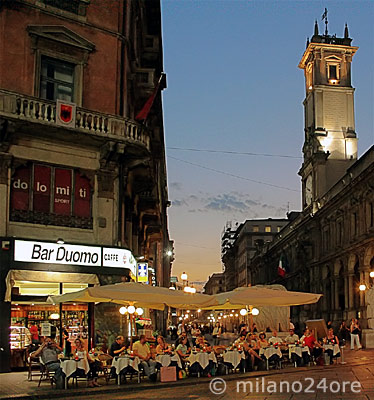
(308, 190)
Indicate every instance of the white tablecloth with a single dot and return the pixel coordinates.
(202, 358)
(70, 366)
(334, 347)
(233, 357)
(120, 363)
(166, 359)
(298, 350)
(270, 351)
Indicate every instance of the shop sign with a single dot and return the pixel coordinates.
(120, 258)
(152, 274)
(53, 191)
(53, 253)
(142, 273)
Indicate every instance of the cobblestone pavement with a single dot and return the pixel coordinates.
(334, 382)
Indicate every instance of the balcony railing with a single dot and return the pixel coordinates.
(27, 108)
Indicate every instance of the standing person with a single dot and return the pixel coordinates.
(48, 352)
(142, 350)
(34, 333)
(355, 332)
(195, 332)
(217, 331)
(182, 328)
(344, 333)
(67, 344)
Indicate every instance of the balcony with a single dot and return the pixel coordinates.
(34, 110)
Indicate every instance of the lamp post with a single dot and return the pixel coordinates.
(363, 285)
(184, 278)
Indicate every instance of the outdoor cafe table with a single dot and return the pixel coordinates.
(70, 366)
(122, 362)
(233, 357)
(334, 347)
(298, 350)
(268, 352)
(166, 359)
(202, 358)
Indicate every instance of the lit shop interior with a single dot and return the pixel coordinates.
(29, 306)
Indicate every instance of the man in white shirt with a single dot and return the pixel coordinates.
(275, 339)
(292, 338)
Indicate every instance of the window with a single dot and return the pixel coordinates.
(60, 57)
(267, 228)
(56, 80)
(66, 5)
(49, 195)
(279, 228)
(371, 215)
(333, 73)
(256, 228)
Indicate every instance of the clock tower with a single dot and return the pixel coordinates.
(330, 144)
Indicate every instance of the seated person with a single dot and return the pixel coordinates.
(202, 344)
(332, 340)
(262, 343)
(292, 338)
(250, 347)
(142, 350)
(240, 341)
(182, 336)
(275, 339)
(162, 347)
(86, 363)
(118, 347)
(48, 352)
(182, 350)
(309, 340)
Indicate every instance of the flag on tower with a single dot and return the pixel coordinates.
(324, 15)
(283, 266)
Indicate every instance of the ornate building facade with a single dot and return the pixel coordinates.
(77, 164)
(329, 245)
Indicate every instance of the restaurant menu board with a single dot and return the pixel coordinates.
(45, 329)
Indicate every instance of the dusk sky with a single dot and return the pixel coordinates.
(234, 86)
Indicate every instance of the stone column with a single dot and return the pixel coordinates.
(346, 292)
(350, 291)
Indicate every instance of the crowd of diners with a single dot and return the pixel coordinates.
(191, 340)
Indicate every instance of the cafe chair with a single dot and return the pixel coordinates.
(34, 366)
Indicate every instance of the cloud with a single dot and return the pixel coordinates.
(233, 203)
(179, 203)
(176, 185)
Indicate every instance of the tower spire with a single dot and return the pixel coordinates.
(346, 33)
(316, 28)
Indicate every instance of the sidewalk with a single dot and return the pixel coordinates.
(15, 385)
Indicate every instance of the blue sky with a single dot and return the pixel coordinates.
(234, 85)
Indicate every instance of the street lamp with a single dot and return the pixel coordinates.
(363, 286)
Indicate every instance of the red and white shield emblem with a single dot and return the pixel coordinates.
(65, 113)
